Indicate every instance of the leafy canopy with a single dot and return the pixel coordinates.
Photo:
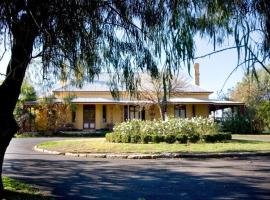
(255, 93)
(77, 39)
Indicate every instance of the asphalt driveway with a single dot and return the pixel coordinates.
(84, 178)
(254, 137)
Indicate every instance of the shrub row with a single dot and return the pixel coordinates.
(196, 125)
(168, 138)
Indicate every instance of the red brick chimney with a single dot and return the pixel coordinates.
(197, 73)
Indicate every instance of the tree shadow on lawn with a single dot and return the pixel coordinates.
(133, 179)
(8, 195)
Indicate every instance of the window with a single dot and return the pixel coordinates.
(104, 113)
(73, 114)
(134, 112)
(180, 111)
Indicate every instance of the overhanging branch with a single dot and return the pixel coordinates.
(218, 51)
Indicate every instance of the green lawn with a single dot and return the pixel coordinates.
(99, 145)
(20, 191)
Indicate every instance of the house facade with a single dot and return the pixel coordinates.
(97, 109)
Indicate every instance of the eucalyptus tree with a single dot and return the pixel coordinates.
(77, 39)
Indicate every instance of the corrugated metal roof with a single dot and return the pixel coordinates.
(106, 100)
(203, 101)
(221, 102)
(101, 84)
(128, 101)
(189, 100)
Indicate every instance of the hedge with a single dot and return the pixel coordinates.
(170, 131)
(169, 138)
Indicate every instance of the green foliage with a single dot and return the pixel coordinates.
(78, 38)
(17, 190)
(109, 137)
(68, 101)
(196, 125)
(28, 93)
(22, 115)
(134, 138)
(211, 138)
(263, 113)
(146, 138)
(170, 131)
(182, 138)
(125, 138)
(193, 137)
(255, 93)
(238, 124)
(157, 138)
(170, 138)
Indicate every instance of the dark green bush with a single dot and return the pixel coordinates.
(135, 138)
(182, 138)
(238, 124)
(227, 136)
(210, 138)
(170, 138)
(157, 138)
(193, 138)
(219, 137)
(146, 138)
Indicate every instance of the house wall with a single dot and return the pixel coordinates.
(202, 110)
(115, 113)
(79, 117)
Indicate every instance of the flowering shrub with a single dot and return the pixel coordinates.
(181, 130)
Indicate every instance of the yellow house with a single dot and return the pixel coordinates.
(97, 109)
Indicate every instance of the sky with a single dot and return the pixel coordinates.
(214, 69)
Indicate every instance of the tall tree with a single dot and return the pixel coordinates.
(79, 38)
(254, 91)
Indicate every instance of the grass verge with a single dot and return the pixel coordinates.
(99, 145)
(17, 190)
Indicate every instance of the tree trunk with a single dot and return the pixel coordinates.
(8, 128)
(24, 33)
(163, 111)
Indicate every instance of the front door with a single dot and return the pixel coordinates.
(89, 116)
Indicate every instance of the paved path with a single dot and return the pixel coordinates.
(82, 178)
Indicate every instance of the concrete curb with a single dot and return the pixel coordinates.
(155, 156)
